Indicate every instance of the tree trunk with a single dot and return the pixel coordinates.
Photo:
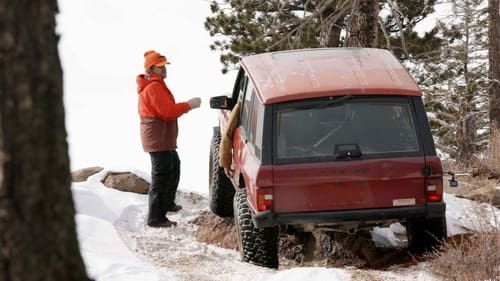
(38, 239)
(466, 135)
(364, 24)
(494, 36)
(331, 29)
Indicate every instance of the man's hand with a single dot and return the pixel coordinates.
(194, 103)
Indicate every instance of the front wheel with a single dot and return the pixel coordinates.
(257, 245)
(221, 191)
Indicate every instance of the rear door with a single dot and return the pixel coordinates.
(247, 141)
(347, 153)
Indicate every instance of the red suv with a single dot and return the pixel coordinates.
(330, 139)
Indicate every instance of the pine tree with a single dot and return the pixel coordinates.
(363, 25)
(494, 62)
(455, 83)
(398, 30)
(242, 27)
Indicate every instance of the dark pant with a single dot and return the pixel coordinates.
(165, 173)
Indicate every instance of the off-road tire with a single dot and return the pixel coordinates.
(221, 190)
(257, 245)
(425, 234)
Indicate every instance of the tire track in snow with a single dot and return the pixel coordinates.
(176, 249)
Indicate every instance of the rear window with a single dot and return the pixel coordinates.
(346, 127)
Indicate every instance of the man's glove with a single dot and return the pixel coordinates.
(194, 103)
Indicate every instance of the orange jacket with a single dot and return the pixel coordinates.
(158, 112)
(156, 100)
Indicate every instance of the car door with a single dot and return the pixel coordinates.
(361, 153)
(248, 137)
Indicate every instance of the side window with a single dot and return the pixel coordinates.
(256, 125)
(241, 88)
(252, 114)
(245, 108)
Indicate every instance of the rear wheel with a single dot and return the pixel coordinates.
(221, 191)
(425, 234)
(257, 245)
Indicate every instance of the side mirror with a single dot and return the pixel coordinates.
(221, 102)
(453, 182)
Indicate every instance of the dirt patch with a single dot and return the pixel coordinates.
(327, 249)
(216, 230)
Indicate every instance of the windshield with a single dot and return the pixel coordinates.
(371, 126)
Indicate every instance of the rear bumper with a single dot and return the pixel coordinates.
(430, 210)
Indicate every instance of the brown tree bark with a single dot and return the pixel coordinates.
(364, 25)
(38, 239)
(466, 136)
(331, 27)
(494, 61)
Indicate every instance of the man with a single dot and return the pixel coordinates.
(158, 112)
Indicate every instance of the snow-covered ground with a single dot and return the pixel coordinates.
(117, 245)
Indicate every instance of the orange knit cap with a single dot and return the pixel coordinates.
(153, 58)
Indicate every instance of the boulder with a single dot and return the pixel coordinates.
(84, 174)
(483, 194)
(126, 181)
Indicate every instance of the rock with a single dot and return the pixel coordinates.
(126, 181)
(489, 172)
(84, 174)
(483, 194)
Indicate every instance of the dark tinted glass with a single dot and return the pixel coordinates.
(378, 126)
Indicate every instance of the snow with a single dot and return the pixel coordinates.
(101, 48)
(117, 245)
(115, 241)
